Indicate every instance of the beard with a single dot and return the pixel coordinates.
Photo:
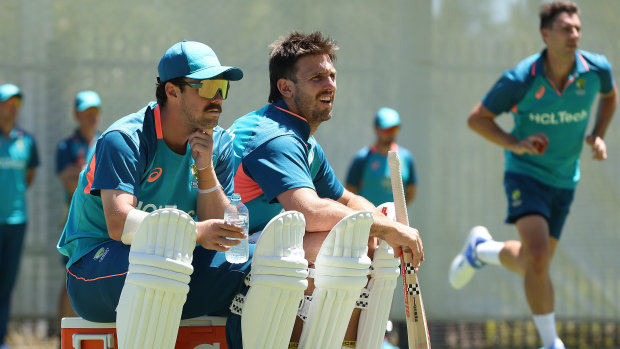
(310, 108)
(203, 120)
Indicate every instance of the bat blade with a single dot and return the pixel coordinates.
(417, 327)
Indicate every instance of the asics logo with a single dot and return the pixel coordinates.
(541, 92)
(154, 175)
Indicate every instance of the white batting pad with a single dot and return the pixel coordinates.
(340, 274)
(156, 286)
(384, 272)
(277, 283)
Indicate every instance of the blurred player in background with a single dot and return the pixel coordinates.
(71, 160)
(18, 159)
(550, 95)
(369, 174)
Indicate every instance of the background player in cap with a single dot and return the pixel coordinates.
(70, 161)
(18, 159)
(550, 95)
(153, 174)
(369, 174)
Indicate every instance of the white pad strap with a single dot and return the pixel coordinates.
(160, 262)
(341, 268)
(132, 222)
(277, 284)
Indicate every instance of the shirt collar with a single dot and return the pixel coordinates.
(281, 113)
(538, 68)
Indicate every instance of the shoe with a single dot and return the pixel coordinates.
(464, 265)
(555, 347)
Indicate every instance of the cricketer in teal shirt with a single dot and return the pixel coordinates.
(537, 105)
(141, 164)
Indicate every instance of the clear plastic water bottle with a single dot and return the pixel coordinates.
(236, 213)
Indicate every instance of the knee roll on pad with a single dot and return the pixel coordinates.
(277, 283)
(340, 274)
(160, 263)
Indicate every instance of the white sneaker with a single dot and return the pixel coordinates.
(466, 262)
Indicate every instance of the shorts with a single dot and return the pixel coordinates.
(527, 196)
(94, 284)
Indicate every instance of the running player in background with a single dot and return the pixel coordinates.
(369, 174)
(550, 95)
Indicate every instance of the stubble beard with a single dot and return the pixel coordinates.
(202, 121)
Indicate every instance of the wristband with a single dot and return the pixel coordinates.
(207, 191)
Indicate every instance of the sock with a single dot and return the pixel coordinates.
(546, 329)
(488, 251)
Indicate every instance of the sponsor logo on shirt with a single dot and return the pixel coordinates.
(154, 174)
(540, 93)
(7, 163)
(581, 85)
(148, 207)
(561, 117)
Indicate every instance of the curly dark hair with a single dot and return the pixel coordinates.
(287, 50)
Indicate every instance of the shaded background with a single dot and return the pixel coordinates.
(431, 60)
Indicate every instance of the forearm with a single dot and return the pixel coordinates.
(116, 207)
(489, 130)
(606, 109)
(211, 200)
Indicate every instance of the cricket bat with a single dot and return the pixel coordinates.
(417, 328)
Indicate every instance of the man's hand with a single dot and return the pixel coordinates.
(201, 143)
(599, 148)
(400, 237)
(535, 144)
(213, 234)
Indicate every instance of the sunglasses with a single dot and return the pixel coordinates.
(208, 88)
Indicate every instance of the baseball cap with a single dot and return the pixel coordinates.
(87, 99)
(9, 90)
(387, 118)
(194, 60)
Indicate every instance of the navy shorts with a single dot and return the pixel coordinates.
(527, 196)
(94, 284)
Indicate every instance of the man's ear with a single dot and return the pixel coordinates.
(544, 32)
(285, 86)
(172, 91)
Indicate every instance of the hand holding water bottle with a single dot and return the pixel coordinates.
(236, 213)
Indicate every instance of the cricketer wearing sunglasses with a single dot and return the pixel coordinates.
(148, 209)
(280, 165)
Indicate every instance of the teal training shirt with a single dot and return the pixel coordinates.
(275, 153)
(370, 173)
(18, 154)
(562, 114)
(132, 156)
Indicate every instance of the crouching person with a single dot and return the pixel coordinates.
(145, 235)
